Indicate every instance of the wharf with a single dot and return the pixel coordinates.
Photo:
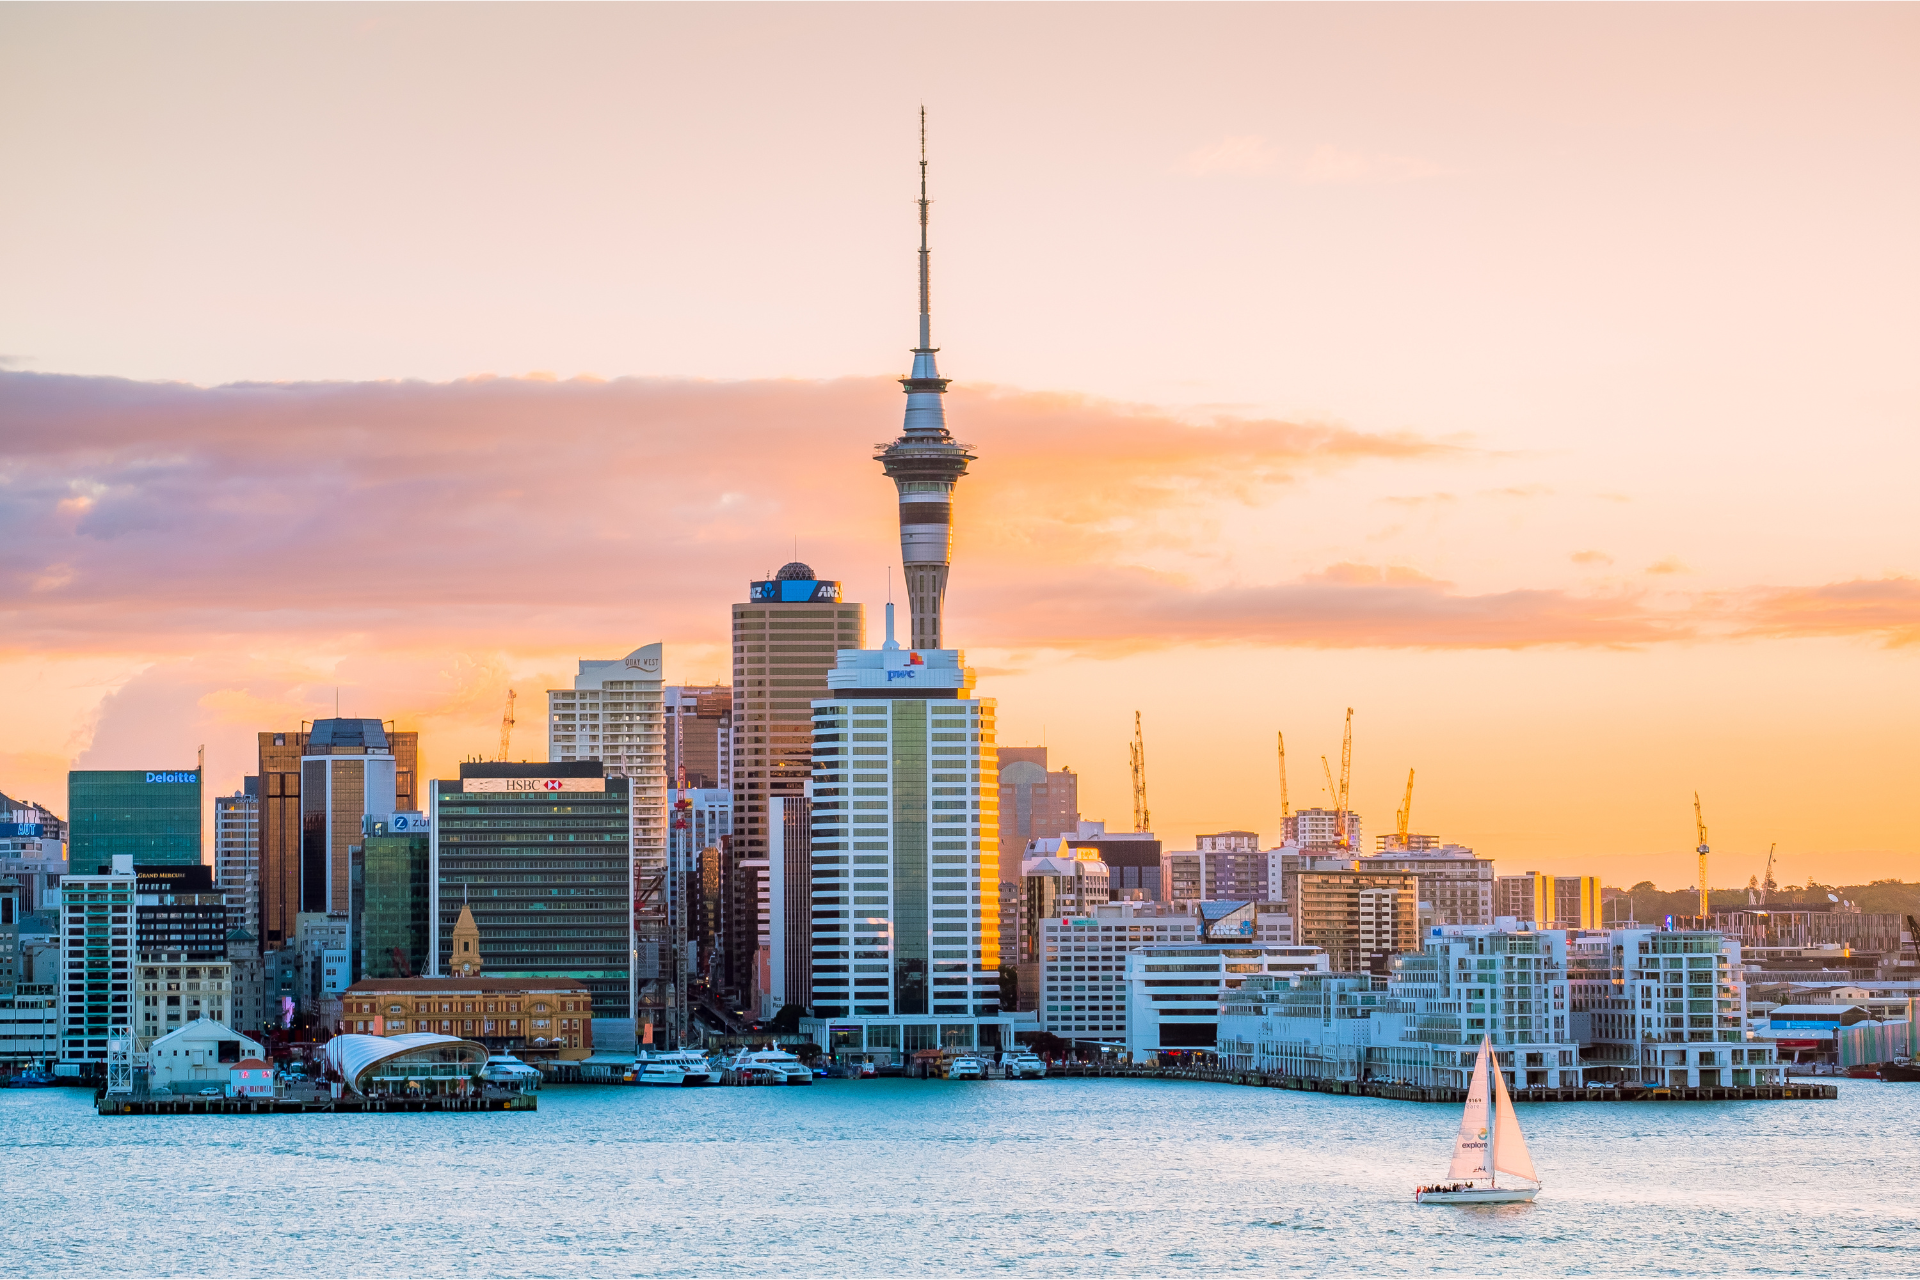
(1440, 1093)
(163, 1104)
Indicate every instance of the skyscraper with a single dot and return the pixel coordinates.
(149, 815)
(924, 463)
(350, 768)
(784, 641)
(541, 855)
(236, 854)
(906, 862)
(613, 717)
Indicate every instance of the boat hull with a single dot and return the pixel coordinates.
(1478, 1195)
(1901, 1072)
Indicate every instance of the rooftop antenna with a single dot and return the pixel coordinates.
(926, 318)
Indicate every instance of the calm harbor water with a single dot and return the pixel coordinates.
(896, 1177)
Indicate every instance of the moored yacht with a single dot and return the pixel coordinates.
(508, 1071)
(1024, 1066)
(769, 1066)
(678, 1068)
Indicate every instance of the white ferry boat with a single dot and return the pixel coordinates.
(1024, 1066)
(508, 1071)
(678, 1068)
(966, 1069)
(769, 1066)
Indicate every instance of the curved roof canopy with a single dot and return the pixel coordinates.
(360, 1059)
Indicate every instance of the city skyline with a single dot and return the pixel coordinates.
(1571, 556)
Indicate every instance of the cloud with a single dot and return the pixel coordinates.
(1343, 606)
(1887, 607)
(461, 532)
(1591, 557)
(1669, 565)
(521, 509)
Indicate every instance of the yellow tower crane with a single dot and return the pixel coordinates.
(1405, 816)
(1137, 753)
(1346, 780)
(506, 727)
(1700, 824)
(1286, 810)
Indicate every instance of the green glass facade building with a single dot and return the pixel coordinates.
(149, 815)
(541, 854)
(390, 905)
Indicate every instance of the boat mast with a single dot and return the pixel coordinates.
(1493, 1111)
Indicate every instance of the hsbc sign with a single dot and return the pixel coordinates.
(533, 784)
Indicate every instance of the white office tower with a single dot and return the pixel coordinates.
(96, 970)
(614, 714)
(236, 855)
(905, 858)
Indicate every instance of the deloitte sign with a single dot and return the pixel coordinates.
(173, 777)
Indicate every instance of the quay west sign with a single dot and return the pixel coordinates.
(533, 784)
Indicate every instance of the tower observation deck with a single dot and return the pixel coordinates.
(924, 464)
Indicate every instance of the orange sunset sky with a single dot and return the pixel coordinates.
(1537, 381)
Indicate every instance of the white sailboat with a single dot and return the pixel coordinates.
(1489, 1143)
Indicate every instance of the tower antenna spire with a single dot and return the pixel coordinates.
(926, 298)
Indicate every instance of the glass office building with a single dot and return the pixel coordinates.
(149, 815)
(390, 903)
(541, 853)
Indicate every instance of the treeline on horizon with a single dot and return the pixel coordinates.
(1650, 904)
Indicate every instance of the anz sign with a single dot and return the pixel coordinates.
(796, 591)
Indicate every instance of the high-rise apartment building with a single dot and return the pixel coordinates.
(236, 854)
(1549, 902)
(315, 786)
(1227, 866)
(542, 855)
(1356, 916)
(905, 841)
(96, 961)
(615, 715)
(1321, 829)
(699, 726)
(1457, 886)
(149, 815)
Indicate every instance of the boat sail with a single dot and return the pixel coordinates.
(1489, 1143)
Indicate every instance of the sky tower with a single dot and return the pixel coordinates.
(924, 463)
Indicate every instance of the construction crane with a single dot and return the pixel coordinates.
(1346, 779)
(1405, 816)
(1700, 824)
(1137, 753)
(1767, 885)
(1286, 809)
(506, 727)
